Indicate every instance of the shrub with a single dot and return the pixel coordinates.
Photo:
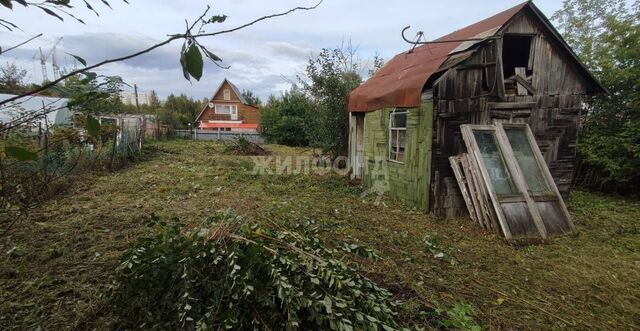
(232, 273)
(285, 120)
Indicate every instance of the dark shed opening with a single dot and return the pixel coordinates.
(516, 50)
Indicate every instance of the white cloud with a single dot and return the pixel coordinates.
(259, 56)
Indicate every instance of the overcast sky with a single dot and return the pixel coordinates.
(262, 57)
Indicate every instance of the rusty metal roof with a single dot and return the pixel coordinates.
(400, 82)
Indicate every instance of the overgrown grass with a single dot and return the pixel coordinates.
(55, 267)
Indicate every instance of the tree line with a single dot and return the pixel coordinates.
(605, 34)
(314, 111)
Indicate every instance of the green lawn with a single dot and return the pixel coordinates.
(56, 267)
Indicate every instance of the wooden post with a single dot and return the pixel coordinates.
(113, 148)
(45, 142)
(135, 91)
(522, 73)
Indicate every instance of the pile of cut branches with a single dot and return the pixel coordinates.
(242, 146)
(232, 273)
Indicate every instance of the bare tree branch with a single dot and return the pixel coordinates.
(211, 34)
(2, 51)
(151, 48)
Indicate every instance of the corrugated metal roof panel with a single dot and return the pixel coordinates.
(400, 82)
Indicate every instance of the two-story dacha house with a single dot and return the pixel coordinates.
(228, 110)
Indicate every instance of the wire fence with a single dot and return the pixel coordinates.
(62, 155)
(219, 135)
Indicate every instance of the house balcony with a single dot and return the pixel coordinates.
(225, 117)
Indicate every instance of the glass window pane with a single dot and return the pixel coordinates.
(493, 161)
(523, 152)
(399, 120)
(401, 138)
(394, 138)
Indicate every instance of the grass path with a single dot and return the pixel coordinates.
(55, 268)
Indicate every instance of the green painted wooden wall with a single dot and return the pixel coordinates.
(409, 181)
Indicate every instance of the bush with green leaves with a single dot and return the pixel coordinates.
(459, 317)
(605, 34)
(232, 273)
(286, 120)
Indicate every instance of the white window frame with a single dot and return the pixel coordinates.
(231, 109)
(226, 94)
(398, 130)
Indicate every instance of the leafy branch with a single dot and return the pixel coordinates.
(55, 8)
(191, 56)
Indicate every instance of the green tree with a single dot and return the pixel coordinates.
(284, 120)
(330, 77)
(606, 34)
(251, 98)
(92, 94)
(180, 110)
(12, 79)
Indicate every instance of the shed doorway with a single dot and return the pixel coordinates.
(356, 145)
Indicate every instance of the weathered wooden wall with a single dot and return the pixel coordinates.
(474, 92)
(408, 181)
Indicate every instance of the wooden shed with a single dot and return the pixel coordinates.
(513, 67)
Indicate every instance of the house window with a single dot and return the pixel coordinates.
(225, 109)
(517, 53)
(227, 94)
(397, 135)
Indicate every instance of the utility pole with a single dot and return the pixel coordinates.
(135, 91)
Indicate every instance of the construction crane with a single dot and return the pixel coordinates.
(43, 63)
(54, 62)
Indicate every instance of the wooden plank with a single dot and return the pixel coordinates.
(511, 105)
(473, 193)
(523, 83)
(475, 66)
(500, 70)
(462, 184)
(532, 52)
(521, 72)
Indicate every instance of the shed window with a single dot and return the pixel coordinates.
(516, 53)
(227, 94)
(397, 135)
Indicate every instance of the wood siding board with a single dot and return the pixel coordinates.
(409, 181)
(456, 165)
